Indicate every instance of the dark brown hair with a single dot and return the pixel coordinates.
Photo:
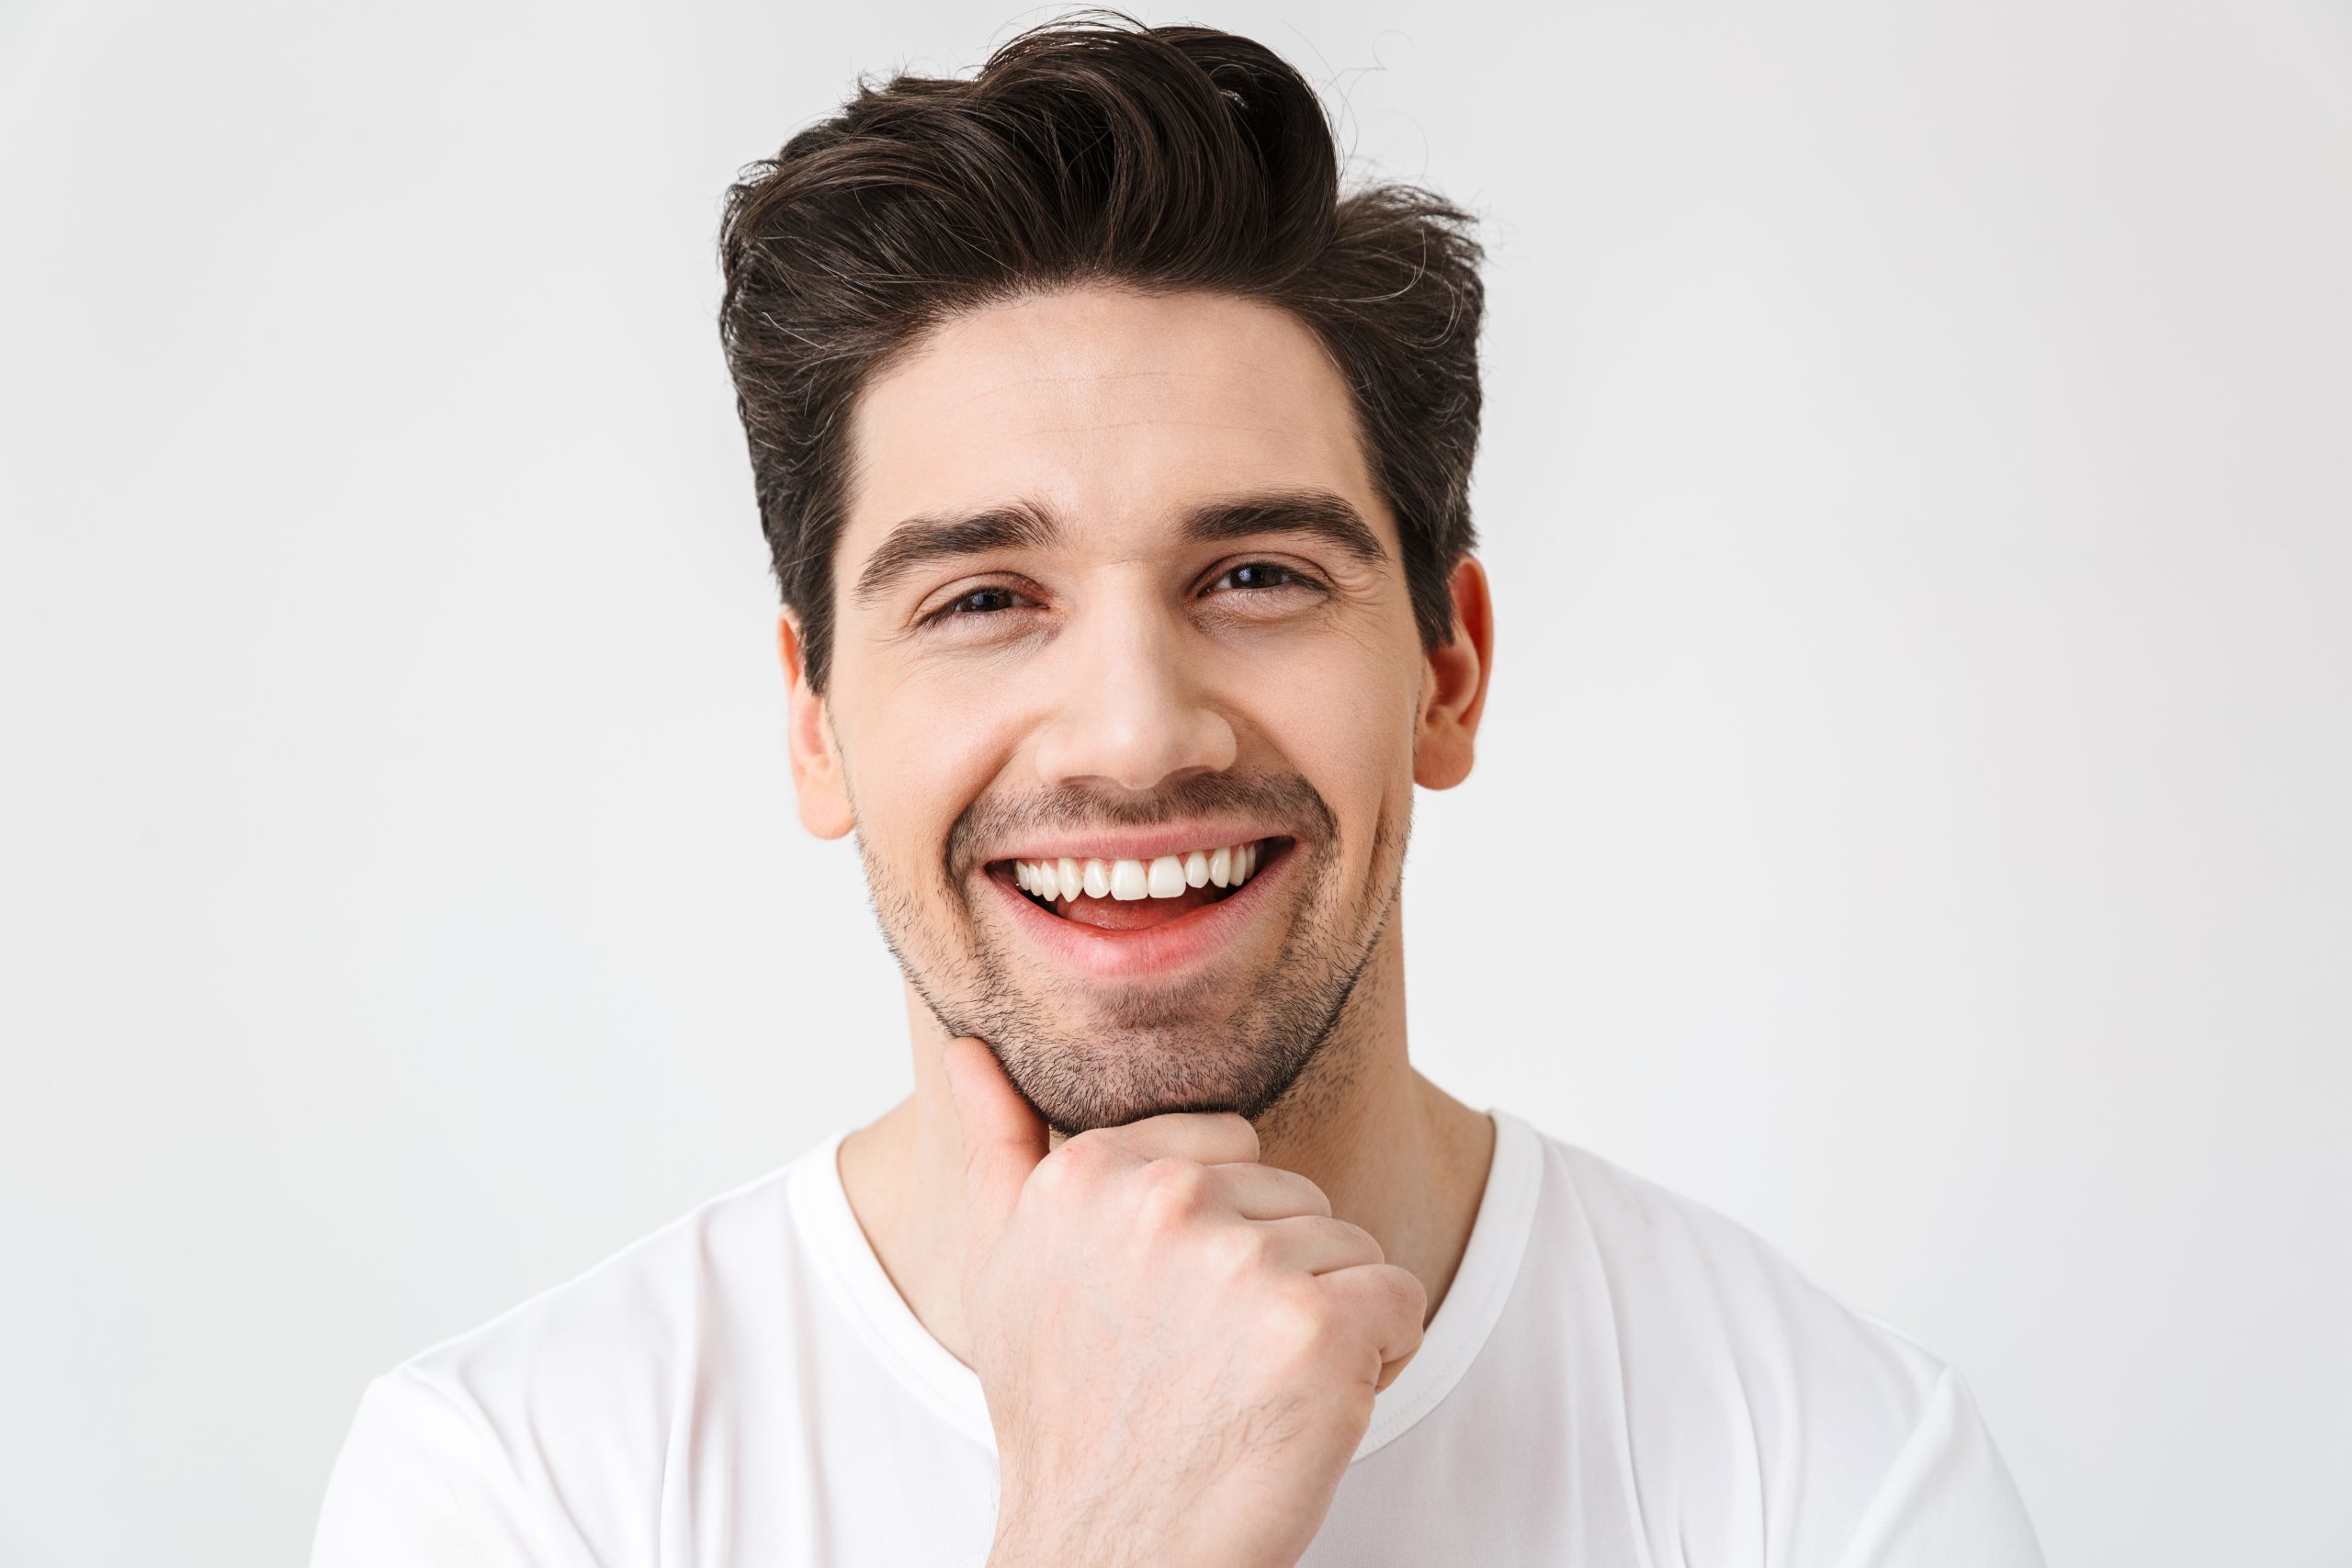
(1090, 151)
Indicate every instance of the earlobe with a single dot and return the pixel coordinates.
(1453, 686)
(816, 777)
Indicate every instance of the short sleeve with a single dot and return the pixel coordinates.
(420, 1482)
(1948, 1500)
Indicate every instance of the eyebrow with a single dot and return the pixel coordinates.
(919, 541)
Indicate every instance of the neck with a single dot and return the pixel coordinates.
(1394, 1153)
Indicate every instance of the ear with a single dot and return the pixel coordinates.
(1453, 687)
(816, 777)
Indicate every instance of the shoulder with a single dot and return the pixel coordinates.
(1687, 1280)
(541, 1435)
(1837, 1437)
(623, 1341)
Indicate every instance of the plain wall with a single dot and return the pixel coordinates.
(1912, 815)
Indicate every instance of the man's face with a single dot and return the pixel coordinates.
(1114, 586)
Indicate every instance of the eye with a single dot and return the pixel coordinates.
(993, 599)
(1259, 575)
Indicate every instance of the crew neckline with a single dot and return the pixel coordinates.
(1473, 1304)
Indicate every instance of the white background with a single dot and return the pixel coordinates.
(1912, 816)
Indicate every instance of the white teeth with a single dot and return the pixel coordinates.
(1166, 876)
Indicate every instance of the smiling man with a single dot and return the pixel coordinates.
(1115, 465)
(1125, 698)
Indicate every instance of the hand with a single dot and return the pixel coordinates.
(1178, 1346)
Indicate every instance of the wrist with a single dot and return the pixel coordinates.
(1038, 1537)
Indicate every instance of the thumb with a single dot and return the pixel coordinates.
(1004, 1139)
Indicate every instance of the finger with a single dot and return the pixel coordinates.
(1389, 1370)
(1003, 1140)
(1266, 1192)
(1208, 1137)
(1317, 1244)
(1385, 1302)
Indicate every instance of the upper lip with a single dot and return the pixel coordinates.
(1141, 843)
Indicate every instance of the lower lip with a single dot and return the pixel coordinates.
(1163, 948)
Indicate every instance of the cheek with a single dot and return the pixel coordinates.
(915, 762)
(1343, 715)
(1358, 693)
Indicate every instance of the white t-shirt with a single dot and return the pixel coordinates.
(1616, 1378)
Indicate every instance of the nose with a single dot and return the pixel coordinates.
(1130, 709)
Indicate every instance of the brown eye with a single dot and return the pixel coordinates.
(976, 603)
(1261, 574)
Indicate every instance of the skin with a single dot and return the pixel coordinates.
(1117, 676)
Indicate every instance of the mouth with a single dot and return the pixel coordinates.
(1114, 895)
(1130, 917)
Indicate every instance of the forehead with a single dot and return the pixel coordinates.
(1115, 409)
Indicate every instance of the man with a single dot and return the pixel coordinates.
(1116, 469)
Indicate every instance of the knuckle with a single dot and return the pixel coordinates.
(1364, 1242)
(1405, 1295)
(1088, 1155)
(1177, 1178)
(1240, 1249)
(1173, 1190)
(1051, 1176)
(1064, 1172)
(1296, 1328)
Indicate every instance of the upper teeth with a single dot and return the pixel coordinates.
(1228, 865)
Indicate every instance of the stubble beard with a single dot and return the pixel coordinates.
(1087, 1055)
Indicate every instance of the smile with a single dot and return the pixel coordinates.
(1068, 879)
(1133, 915)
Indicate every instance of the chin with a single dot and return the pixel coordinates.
(1113, 1072)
